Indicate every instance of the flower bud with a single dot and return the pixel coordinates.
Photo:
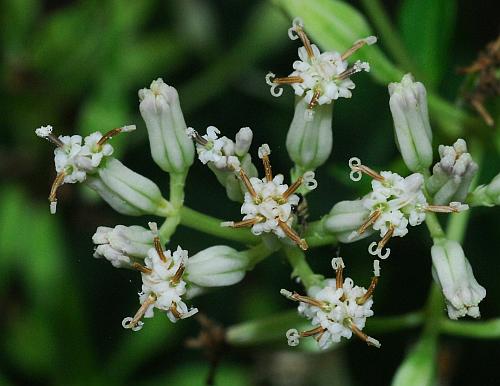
(121, 244)
(454, 274)
(126, 191)
(408, 103)
(452, 175)
(216, 266)
(344, 220)
(486, 195)
(243, 141)
(171, 148)
(309, 139)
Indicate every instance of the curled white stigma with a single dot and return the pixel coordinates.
(337, 263)
(375, 251)
(292, 31)
(309, 182)
(376, 268)
(264, 150)
(191, 132)
(293, 337)
(286, 293)
(44, 131)
(126, 323)
(373, 342)
(276, 91)
(227, 224)
(191, 312)
(355, 175)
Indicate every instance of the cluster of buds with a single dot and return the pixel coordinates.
(394, 203)
(76, 157)
(269, 202)
(452, 175)
(337, 310)
(223, 156)
(320, 77)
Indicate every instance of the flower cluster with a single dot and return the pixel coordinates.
(75, 157)
(320, 77)
(162, 284)
(394, 203)
(337, 310)
(268, 202)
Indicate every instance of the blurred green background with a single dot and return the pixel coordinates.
(77, 65)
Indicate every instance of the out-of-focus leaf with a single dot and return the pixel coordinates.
(195, 374)
(18, 17)
(427, 27)
(137, 347)
(419, 366)
(336, 25)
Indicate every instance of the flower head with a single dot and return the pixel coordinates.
(162, 285)
(75, 158)
(394, 203)
(320, 77)
(337, 310)
(268, 201)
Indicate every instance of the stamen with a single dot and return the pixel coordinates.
(368, 171)
(110, 134)
(312, 332)
(293, 236)
(274, 86)
(338, 266)
(46, 132)
(361, 335)
(369, 292)
(174, 311)
(178, 275)
(371, 220)
(141, 268)
(301, 298)
(263, 153)
(357, 45)
(453, 207)
(386, 237)
(288, 80)
(292, 188)
(197, 137)
(243, 223)
(305, 41)
(314, 99)
(357, 67)
(132, 323)
(159, 249)
(58, 181)
(248, 184)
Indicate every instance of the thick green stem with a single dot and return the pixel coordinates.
(258, 253)
(301, 268)
(434, 226)
(316, 236)
(211, 225)
(177, 182)
(381, 324)
(389, 34)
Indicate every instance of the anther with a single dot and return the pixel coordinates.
(361, 335)
(132, 323)
(174, 311)
(369, 292)
(248, 184)
(178, 275)
(263, 153)
(141, 268)
(357, 45)
(293, 236)
(369, 222)
(386, 238)
(314, 99)
(197, 137)
(110, 134)
(292, 188)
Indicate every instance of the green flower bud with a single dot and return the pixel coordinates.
(344, 220)
(171, 148)
(486, 195)
(453, 272)
(216, 266)
(309, 139)
(126, 191)
(408, 103)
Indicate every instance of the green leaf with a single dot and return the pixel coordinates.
(336, 25)
(427, 27)
(419, 366)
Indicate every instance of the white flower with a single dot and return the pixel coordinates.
(320, 77)
(394, 203)
(121, 244)
(268, 201)
(162, 285)
(337, 310)
(75, 158)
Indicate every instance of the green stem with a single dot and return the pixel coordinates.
(211, 225)
(489, 329)
(301, 268)
(316, 236)
(389, 34)
(434, 226)
(381, 324)
(177, 182)
(258, 253)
